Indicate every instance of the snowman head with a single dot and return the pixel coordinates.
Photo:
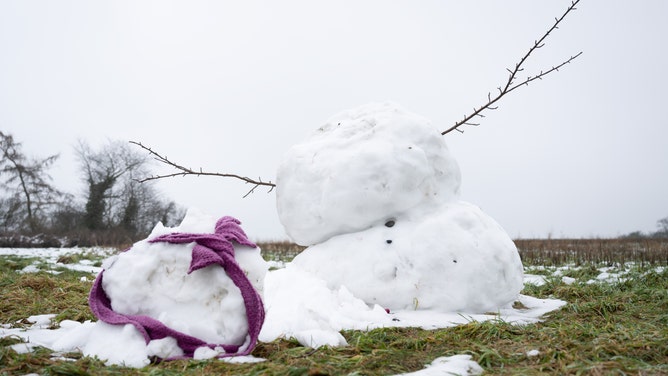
(360, 168)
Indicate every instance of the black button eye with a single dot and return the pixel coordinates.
(388, 241)
(389, 223)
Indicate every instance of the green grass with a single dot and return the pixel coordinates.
(618, 328)
(14, 263)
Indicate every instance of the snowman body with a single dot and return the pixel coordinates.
(374, 193)
(152, 279)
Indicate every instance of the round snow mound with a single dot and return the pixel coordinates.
(151, 279)
(362, 166)
(374, 193)
(450, 258)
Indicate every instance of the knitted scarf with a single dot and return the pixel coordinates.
(209, 249)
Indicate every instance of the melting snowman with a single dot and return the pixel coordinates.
(374, 194)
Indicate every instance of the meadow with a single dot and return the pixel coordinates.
(615, 322)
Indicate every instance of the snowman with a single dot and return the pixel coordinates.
(374, 194)
(194, 290)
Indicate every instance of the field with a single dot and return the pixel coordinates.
(615, 322)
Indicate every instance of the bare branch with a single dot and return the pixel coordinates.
(184, 171)
(510, 84)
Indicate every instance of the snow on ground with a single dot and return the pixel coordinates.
(313, 314)
(606, 274)
(374, 193)
(450, 365)
(80, 259)
(302, 306)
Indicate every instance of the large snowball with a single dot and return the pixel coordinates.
(451, 257)
(151, 279)
(363, 166)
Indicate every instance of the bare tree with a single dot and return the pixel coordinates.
(11, 214)
(662, 224)
(115, 198)
(27, 178)
(102, 171)
(67, 217)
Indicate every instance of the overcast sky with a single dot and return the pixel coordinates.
(230, 86)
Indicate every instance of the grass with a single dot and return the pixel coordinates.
(606, 328)
(556, 252)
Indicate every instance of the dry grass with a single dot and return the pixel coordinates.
(606, 328)
(554, 252)
(546, 252)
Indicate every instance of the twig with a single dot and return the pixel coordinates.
(511, 84)
(183, 171)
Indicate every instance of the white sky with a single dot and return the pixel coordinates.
(230, 86)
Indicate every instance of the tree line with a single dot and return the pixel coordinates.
(660, 233)
(112, 209)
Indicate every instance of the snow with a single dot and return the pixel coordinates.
(362, 167)
(300, 305)
(152, 279)
(607, 274)
(374, 192)
(450, 365)
(41, 321)
(50, 257)
(452, 259)
(532, 353)
(568, 280)
(312, 314)
(122, 344)
(533, 279)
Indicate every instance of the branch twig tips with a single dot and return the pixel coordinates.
(184, 171)
(510, 84)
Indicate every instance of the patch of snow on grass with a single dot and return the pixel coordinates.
(450, 365)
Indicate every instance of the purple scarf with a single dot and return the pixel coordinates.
(209, 249)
